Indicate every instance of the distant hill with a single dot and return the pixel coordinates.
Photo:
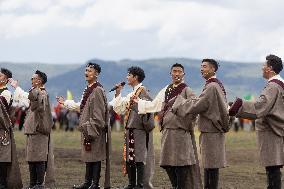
(239, 78)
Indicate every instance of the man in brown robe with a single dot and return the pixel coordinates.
(213, 121)
(37, 128)
(138, 145)
(10, 176)
(178, 148)
(268, 111)
(93, 124)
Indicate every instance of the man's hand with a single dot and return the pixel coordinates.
(134, 99)
(234, 108)
(13, 83)
(118, 89)
(60, 99)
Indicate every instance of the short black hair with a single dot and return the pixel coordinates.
(6, 72)
(212, 62)
(42, 75)
(275, 62)
(94, 65)
(137, 71)
(177, 65)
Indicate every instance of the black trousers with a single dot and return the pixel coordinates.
(177, 175)
(273, 174)
(211, 178)
(3, 174)
(37, 173)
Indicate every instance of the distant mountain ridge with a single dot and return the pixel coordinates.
(239, 79)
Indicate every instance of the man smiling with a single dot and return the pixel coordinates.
(213, 121)
(268, 111)
(178, 148)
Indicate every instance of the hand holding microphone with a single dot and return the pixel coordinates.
(13, 83)
(118, 87)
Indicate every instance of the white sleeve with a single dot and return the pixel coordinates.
(7, 95)
(71, 105)
(119, 104)
(21, 96)
(145, 106)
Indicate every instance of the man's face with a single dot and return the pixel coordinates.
(3, 79)
(36, 80)
(177, 74)
(207, 70)
(131, 79)
(266, 69)
(90, 74)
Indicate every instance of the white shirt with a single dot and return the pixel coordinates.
(21, 97)
(119, 103)
(278, 77)
(7, 95)
(72, 105)
(145, 106)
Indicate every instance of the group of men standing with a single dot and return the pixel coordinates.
(179, 109)
(38, 123)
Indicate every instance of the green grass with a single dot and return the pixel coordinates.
(243, 169)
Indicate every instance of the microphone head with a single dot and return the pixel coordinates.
(122, 83)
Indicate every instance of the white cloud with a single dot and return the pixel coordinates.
(232, 30)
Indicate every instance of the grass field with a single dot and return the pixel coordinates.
(243, 171)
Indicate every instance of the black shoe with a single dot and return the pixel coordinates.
(38, 187)
(94, 186)
(129, 187)
(85, 185)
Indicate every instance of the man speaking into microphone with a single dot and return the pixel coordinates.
(138, 149)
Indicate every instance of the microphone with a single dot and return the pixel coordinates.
(114, 88)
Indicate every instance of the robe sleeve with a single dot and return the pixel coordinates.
(35, 100)
(192, 105)
(147, 106)
(262, 106)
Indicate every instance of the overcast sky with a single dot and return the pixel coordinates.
(73, 31)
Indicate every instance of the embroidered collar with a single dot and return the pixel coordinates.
(5, 86)
(137, 87)
(214, 76)
(278, 77)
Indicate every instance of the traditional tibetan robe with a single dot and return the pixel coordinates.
(5, 126)
(178, 146)
(143, 138)
(213, 121)
(93, 125)
(8, 152)
(268, 110)
(37, 128)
